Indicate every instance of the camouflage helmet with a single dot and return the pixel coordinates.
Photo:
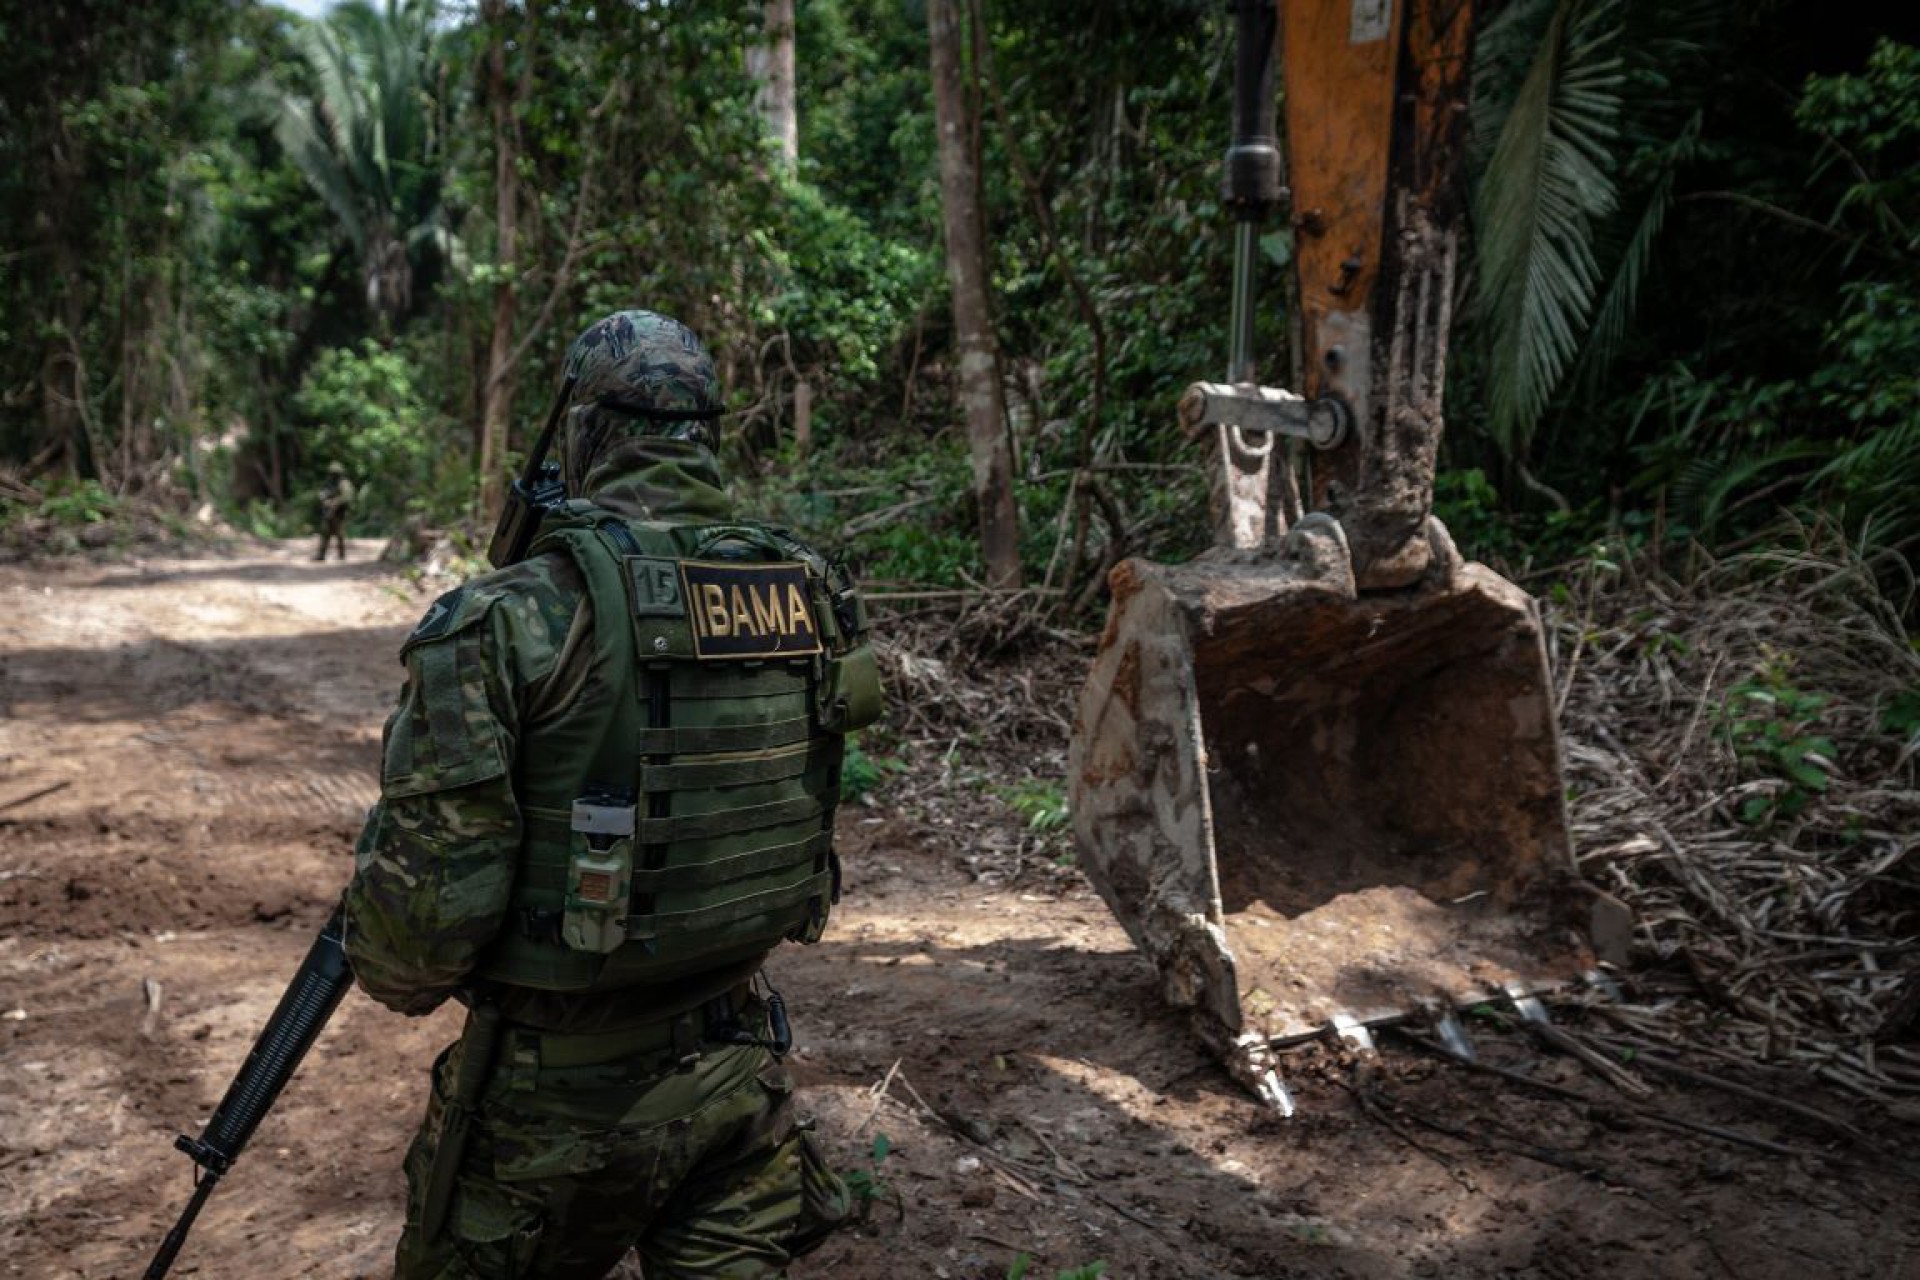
(635, 373)
(646, 365)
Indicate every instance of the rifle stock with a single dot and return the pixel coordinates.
(308, 1002)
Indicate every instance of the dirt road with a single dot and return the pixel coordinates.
(186, 751)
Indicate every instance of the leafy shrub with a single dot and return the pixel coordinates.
(1773, 728)
(925, 557)
(922, 530)
(263, 520)
(84, 502)
(1042, 803)
(369, 408)
(861, 774)
(1845, 431)
(1484, 529)
(1872, 383)
(1901, 716)
(849, 291)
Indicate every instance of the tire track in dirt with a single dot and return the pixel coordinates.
(303, 794)
(255, 683)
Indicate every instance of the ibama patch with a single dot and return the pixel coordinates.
(742, 611)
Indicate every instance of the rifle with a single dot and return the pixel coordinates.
(537, 490)
(310, 999)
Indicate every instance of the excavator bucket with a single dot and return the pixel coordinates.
(1315, 771)
(1317, 810)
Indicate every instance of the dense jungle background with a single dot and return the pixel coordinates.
(241, 244)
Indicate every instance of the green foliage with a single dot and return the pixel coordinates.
(849, 292)
(861, 774)
(265, 520)
(866, 132)
(209, 195)
(1901, 716)
(922, 556)
(366, 142)
(1871, 123)
(1548, 185)
(366, 407)
(1773, 728)
(917, 526)
(70, 517)
(1736, 442)
(858, 774)
(1469, 505)
(1872, 384)
(1712, 442)
(102, 110)
(77, 504)
(1869, 385)
(1022, 1264)
(1487, 529)
(1042, 803)
(867, 1186)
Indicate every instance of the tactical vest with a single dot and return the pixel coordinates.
(680, 816)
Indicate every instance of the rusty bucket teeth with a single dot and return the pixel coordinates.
(1448, 1029)
(1353, 1031)
(1252, 1061)
(1525, 1003)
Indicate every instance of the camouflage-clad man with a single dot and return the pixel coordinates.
(336, 500)
(606, 794)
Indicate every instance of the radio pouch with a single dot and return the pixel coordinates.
(599, 872)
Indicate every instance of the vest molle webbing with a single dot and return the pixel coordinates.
(680, 817)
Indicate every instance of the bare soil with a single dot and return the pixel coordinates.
(187, 746)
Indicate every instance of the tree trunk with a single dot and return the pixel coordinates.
(63, 389)
(496, 394)
(980, 396)
(770, 66)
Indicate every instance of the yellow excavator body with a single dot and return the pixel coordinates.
(1315, 771)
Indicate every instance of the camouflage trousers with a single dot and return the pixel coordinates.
(702, 1169)
(333, 529)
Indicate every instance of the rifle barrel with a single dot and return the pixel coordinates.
(306, 1005)
(170, 1247)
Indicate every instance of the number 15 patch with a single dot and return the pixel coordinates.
(749, 610)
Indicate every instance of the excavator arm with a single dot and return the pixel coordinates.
(1315, 771)
(1375, 140)
(1376, 136)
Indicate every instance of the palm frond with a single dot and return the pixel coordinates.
(364, 137)
(338, 103)
(1503, 50)
(1723, 484)
(303, 137)
(1550, 180)
(1616, 304)
(1880, 460)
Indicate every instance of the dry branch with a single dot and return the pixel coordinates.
(1789, 900)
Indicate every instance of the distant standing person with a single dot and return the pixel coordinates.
(336, 499)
